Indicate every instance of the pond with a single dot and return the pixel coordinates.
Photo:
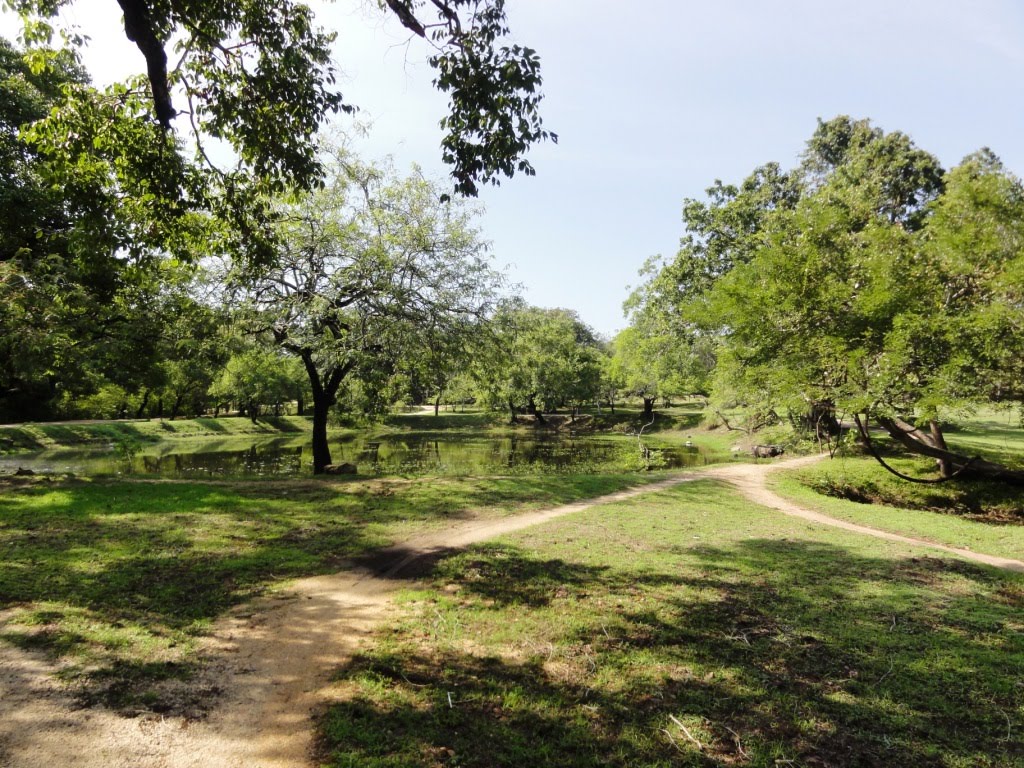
(392, 454)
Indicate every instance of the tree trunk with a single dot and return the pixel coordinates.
(934, 446)
(531, 408)
(142, 405)
(648, 407)
(325, 394)
(321, 448)
(300, 406)
(177, 406)
(511, 411)
(819, 420)
(253, 410)
(945, 467)
(437, 403)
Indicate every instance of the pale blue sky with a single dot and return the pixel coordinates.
(655, 100)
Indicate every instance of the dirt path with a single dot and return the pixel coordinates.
(273, 658)
(749, 479)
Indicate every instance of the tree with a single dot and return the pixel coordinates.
(437, 362)
(890, 291)
(367, 266)
(650, 366)
(257, 77)
(544, 359)
(674, 340)
(194, 343)
(80, 283)
(256, 379)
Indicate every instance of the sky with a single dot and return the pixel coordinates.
(654, 100)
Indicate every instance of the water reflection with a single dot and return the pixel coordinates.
(416, 453)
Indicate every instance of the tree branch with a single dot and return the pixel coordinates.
(138, 27)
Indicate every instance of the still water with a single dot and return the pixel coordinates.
(402, 454)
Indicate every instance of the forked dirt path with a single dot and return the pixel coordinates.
(272, 658)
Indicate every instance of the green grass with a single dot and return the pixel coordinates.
(996, 435)
(680, 423)
(34, 437)
(596, 639)
(980, 516)
(118, 579)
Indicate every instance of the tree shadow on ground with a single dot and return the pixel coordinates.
(767, 653)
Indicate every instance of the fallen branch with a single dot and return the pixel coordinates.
(686, 732)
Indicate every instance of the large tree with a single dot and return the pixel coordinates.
(367, 266)
(540, 360)
(889, 291)
(81, 307)
(652, 364)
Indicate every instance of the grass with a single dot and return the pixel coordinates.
(680, 423)
(980, 516)
(996, 435)
(36, 437)
(473, 421)
(690, 628)
(118, 579)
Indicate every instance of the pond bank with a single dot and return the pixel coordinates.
(70, 434)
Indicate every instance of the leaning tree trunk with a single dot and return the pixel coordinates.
(939, 441)
(933, 445)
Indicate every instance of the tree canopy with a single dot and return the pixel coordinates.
(868, 281)
(258, 77)
(541, 360)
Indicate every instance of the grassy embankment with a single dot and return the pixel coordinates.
(43, 436)
(691, 628)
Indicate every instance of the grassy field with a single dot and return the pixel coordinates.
(690, 628)
(118, 579)
(683, 628)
